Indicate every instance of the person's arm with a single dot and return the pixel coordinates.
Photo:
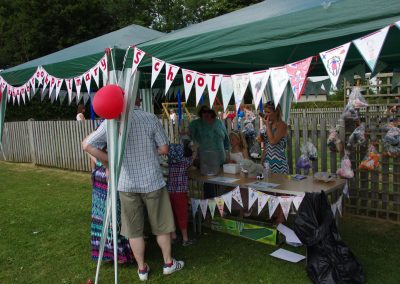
(281, 131)
(96, 141)
(160, 138)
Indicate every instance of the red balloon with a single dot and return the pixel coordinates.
(109, 101)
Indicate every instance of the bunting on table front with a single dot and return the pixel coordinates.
(262, 200)
(189, 77)
(237, 196)
(253, 196)
(227, 197)
(272, 205)
(195, 205)
(220, 205)
(279, 79)
(226, 90)
(285, 202)
(211, 206)
(297, 72)
(203, 207)
(258, 82)
(333, 60)
(156, 66)
(339, 205)
(297, 201)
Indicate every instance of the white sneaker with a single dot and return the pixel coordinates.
(143, 276)
(176, 265)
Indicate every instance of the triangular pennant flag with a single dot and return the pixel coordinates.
(272, 205)
(103, 65)
(253, 196)
(32, 83)
(69, 83)
(170, 74)
(52, 97)
(297, 72)
(211, 206)
(200, 86)
(333, 60)
(3, 86)
(258, 81)
(203, 207)
(87, 77)
(285, 202)
(22, 91)
(59, 83)
(28, 90)
(52, 83)
(297, 201)
(157, 65)
(39, 75)
(237, 196)
(9, 92)
(46, 81)
(220, 205)
(279, 79)
(333, 208)
(240, 83)
(94, 72)
(78, 86)
(370, 46)
(189, 77)
(226, 90)
(213, 81)
(137, 58)
(195, 205)
(227, 197)
(339, 205)
(262, 200)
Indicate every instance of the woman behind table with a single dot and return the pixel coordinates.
(238, 150)
(274, 138)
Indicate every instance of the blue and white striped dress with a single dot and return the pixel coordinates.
(276, 156)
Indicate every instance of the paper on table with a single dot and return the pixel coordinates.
(290, 235)
(287, 255)
(260, 185)
(224, 179)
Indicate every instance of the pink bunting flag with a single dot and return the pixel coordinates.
(297, 72)
(333, 61)
(220, 205)
(137, 58)
(28, 90)
(203, 207)
(200, 86)
(189, 78)
(32, 83)
(39, 75)
(22, 92)
(46, 81)
(213, 81)
(237, 196)
(170, 74)
(156, 67)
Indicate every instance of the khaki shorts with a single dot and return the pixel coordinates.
(158, 208)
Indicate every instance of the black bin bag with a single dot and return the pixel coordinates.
(329, 260)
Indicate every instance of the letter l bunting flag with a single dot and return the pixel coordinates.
(333, 60)
(297, 72)
(370, 46)
(213, 81)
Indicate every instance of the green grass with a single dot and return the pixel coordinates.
(45, 238)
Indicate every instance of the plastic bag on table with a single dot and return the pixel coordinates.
(371, 159)
(356, 99)
(334, 143)
(345, 170)
(357, 137)
(391, 141)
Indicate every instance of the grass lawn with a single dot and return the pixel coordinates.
(44, 238)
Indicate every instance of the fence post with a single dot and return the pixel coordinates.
(31, 141)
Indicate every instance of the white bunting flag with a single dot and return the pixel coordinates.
(46, 81)
(69, 83)
(370, 46)
(200, 86)
(220, 205)
(297, 72)
(211, 206)
(170, 74)
(258, 82)
(103, 65)
(272, 205)
(240, 83)
(39, 75)
(32, 83)
(253, 196)
(28, 90)
(227, 197)
(237, 196)
(279, 79)
(157, 65)
(333, 60)
(339, 205)
(87, 77)
(262, 199)
(203, 207)
(226, 90)
(52, 84)
(59, 83)
(17, 95)
(189, 77)
(137, 58)
(9, 92)
(297, 201)
(22, 91)
(195, 205)
(285, 202)
(333, 208)
(213, 81)
(3, 86)
(94, 72)
(78, 86)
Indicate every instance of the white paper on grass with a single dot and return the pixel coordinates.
(287, 255)
(258, 82)
(170, 74)
(189, 77)
(195, 205)
(290, 235)
(203, 207)
(227, 197)
(333, 61)
(262, 200)
(226, 90)
(272, 205)
(237, 196)
(279, 79)
(297, 201)
(240, 83)
(253, 196)
(156, 66)
(213, 81)
(211, 206)
(200, 86)
(94, 72)
(370, 46)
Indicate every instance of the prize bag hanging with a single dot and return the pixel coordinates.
(357, 138)
(350, 113)
(356, 99)
(334, 143)
(345, 170)
(371, 159)
(391, 141)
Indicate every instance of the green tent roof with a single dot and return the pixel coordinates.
(276, 32)
(79, 58)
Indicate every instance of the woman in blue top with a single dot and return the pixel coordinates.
(275, 140)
